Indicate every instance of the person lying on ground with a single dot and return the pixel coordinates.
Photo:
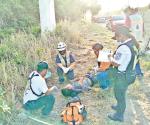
(79, 85)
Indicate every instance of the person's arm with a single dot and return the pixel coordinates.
(123, 54)
(58, 62)
(112, 61)
(72, 65)
(72, 61)
(43, 88)
(115, 64)
(59, 65)
(49, 91)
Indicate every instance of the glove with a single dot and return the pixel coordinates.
(65, 69)
(48, 75)
(54, 88)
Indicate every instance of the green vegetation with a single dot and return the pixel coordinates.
(21, 46)
(18, 15)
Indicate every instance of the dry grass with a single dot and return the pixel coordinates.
(20, 54)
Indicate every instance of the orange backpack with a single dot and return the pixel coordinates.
(74, 114)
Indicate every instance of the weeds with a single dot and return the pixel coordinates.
(19, 55)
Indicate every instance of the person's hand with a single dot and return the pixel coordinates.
(63, 68)
(66, 70)
(110, 55)
(69, 86)
(54, 88)
(95, 69)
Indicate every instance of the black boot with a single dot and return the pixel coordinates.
(116, 117)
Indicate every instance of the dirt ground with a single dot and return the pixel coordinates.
(98, 101)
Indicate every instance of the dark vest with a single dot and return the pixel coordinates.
(130, 73)
(134, 55)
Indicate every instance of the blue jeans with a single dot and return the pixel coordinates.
(44, 102)
(70, 74)
(103, 79)
(138, 69)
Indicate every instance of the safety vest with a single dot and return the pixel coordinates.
(65, 61)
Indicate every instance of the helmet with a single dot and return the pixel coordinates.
(61, 46)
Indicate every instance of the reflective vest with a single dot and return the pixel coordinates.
(65, 61)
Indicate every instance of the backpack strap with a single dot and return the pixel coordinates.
(30, 78)
(72, 115)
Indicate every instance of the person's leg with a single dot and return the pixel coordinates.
(103, 79)
(49, 105)
(44, 102)
(138, 69)
(120, 95)
(70, 75)
(60, 74)
(120, 89)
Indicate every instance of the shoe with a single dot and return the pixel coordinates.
(116, 117)
(140, 78)
(114, 107)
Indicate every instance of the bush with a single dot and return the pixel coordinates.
(17, 15)
(69, 32)
(69, 9)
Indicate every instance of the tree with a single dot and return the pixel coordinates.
(69, 9)
(95, 7)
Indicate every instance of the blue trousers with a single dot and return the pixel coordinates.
(138, 69)
(70, 74)
(103, 79)
(44, 102)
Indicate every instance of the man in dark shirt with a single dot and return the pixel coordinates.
(65, 63)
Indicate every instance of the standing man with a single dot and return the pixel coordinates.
(136, 26)
(37, 95)
(124, 61)
(65, 63)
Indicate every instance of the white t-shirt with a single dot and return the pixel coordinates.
(103, 56)
(38, 85)
(123, 56)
